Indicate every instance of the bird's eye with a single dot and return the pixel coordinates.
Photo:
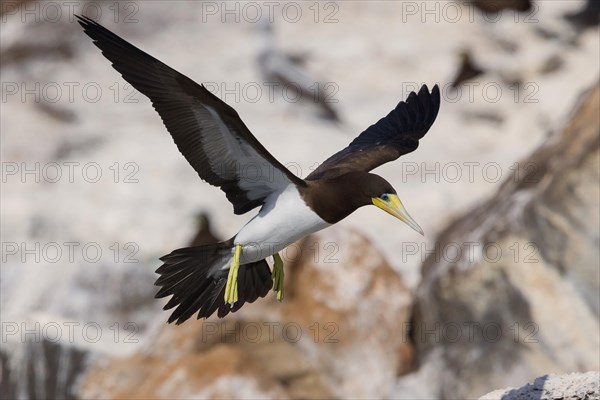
(385, 197)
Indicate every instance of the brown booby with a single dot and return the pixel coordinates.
(222, 277)
(285, 70)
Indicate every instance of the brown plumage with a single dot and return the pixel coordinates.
(218, 145)
(396, 134)
(357, 187)
(181, 102)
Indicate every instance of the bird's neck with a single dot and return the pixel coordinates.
(333, 200)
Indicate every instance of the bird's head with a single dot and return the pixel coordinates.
(342, 195)
(381, 194)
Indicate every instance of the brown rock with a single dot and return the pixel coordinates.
(521, 299)
(221, 371)
(338, 333)
(355, 308)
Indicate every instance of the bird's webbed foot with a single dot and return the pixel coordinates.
(231, 288)
(278, 276)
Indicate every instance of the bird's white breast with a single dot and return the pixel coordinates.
(282, 220)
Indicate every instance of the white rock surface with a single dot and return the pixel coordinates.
(576, 386)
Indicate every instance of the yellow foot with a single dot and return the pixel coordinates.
(278, 276)
(231, 289)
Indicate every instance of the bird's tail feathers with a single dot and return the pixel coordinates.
(196, 279)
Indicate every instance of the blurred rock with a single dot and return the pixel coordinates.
(494, 6)
(107, 212)
(9, 7)
(38, 43)
(221, 371)
(204, 233)
(40, 369)
(511, 291)
(336, 334)
(58, 113)
(22, 53)
(587, 17)
(44, 354)
(467, 70)
(70, 147)
(553, 64)
(489, 117)
(362, 307)
(288, 71)
(569, 387)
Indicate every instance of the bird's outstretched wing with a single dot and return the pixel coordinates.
(208, 132)
(396, 134)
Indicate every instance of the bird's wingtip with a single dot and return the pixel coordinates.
(434, 89)
(435, 92)
(81, 19)
(85, 21)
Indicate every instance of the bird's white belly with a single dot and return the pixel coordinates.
(279, 223)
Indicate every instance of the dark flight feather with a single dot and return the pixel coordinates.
(191, 276)
(208, 132)
(396, 134)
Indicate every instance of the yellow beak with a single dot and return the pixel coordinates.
(394, 206)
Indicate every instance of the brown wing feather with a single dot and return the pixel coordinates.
(396, 134)
(208, 132)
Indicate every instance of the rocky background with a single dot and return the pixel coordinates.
(502, 292)
(574, 386)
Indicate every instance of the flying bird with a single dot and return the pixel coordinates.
(221, 277)
(287, 70)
